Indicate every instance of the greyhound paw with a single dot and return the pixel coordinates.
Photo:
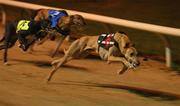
(54, 63)
(129, 65)
(108, 62)
(6, 64)
(46, 81)
(119, 72)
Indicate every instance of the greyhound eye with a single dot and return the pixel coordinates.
(131, 54)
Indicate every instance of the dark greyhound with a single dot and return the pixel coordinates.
(20, 30)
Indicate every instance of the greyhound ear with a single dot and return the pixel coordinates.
(71, 18)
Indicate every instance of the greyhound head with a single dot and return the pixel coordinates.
(72, 21)
(77, 20)
(131, 57)
(127, 49)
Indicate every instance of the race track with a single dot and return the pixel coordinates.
(85, 82)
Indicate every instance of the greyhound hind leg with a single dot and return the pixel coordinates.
(56, 64)
(75, 47)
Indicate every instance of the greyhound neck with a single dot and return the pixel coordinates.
(116, 44)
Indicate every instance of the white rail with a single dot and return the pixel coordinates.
(100, 18)
(106, 19)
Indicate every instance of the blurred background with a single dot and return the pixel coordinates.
(160, 12)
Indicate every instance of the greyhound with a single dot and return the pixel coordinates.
(20, 30)
(110, 47)
(61, 23)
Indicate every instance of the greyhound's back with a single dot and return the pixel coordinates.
(34, 13)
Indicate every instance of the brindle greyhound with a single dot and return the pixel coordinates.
(121, 50)
(64, 24)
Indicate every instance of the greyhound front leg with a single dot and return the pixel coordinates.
(120, 59)
(110, 54)
(58, 45)
(126, 64)
(124, 69)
